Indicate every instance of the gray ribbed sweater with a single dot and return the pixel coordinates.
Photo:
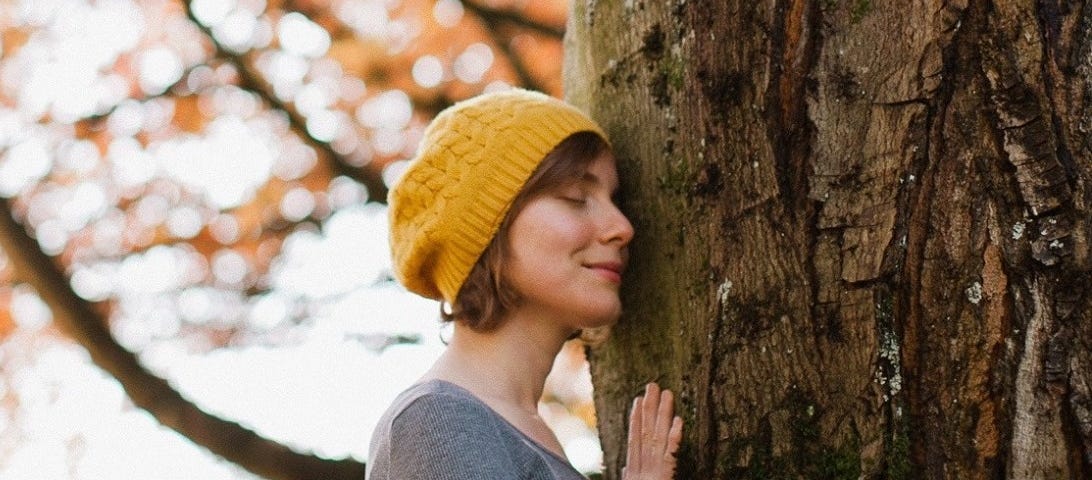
(438, 430)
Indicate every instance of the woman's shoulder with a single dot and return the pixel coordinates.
(438, 401)
(437, 387)
(447, 424)
(437, 430)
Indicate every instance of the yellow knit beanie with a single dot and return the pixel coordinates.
(473, 160)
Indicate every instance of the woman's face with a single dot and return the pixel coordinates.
(567, 249)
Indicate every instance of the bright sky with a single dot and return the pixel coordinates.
(319, 385)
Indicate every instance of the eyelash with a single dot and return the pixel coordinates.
(582, 198)
(576, 200)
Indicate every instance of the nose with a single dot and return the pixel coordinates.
(617, 228)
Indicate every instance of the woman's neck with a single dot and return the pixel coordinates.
(508, 365)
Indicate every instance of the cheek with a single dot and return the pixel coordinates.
(542, 250)
(564, 231)
(550, 229)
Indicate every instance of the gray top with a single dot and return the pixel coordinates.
(439, 430)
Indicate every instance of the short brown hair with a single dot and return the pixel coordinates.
(485, 297)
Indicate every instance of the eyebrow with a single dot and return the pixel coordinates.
(593, 179)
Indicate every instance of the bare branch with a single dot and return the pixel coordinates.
(495, 16)
(431, 105)
(252, 80)
(80, 319)
(493, 20)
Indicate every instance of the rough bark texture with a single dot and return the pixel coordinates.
(863, 232)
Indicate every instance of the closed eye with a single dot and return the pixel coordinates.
(573, 193)
(575, 200)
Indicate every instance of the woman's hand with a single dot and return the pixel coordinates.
(654, 436)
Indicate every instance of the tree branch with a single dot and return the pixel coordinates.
(253, 81)
(338, 29)
(82, 322)
(496, 16)
(493, 18)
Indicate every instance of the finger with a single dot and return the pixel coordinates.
(651, 403)
(674, 437)
(664, 415)
(633, 450)
(661, 424)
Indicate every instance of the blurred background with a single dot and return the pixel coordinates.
(202, 183)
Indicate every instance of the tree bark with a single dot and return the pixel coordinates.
(863, 232)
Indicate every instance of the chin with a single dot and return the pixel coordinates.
(602, 318)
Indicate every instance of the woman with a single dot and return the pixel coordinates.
(507, 217)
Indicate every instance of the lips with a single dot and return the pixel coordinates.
(611, 271)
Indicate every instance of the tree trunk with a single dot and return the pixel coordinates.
(863, 232)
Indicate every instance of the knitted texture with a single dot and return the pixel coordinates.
(474, 158)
